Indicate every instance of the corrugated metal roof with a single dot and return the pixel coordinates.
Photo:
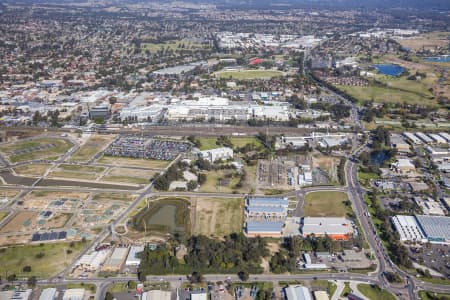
(265, 209)
(269, 201)
(435, 226)
(264, 226)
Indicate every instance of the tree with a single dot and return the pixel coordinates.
(201, 178)
(109, 296)
(11, 277)
(196, 277)
(26, 269)
(32, 281)
(243, 275)
(192, 185)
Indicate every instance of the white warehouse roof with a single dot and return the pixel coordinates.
(297, 293)
(407, 228)
(133, 258)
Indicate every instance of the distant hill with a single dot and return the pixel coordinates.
(267, 4)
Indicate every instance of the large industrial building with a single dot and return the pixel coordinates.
(408, 229)
(157, 295)
(265, 216)
(206, 108)
(48, 294)
(212, 155)
(74, 294)
(433, 229)
(134, 256)
(116, 261)
(335, 228)
(297, 292)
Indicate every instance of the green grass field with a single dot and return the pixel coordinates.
(60, 146)
(249, 74)
(347, 290)
(385, 95)
(208, 143)
(426, 295)
(375, 293)
(326, 204)
(218, 216)
(3, 214)
(211, 184)
(32, 169)
(92, 146)
(14, 258)
(365, 178)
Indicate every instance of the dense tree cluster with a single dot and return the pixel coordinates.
(235, 253)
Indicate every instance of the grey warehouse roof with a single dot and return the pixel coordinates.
(265, 209)
(270, 201)
(435, 226)
(264, 226)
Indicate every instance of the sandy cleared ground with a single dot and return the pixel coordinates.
(127, 175)
(113, 197)
(58, 220)
(32, 169)
(17, 223)
(134, 162)
(50, 195)
(14, 239)
(41, 199)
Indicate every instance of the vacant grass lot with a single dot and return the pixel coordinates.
(133, 162)
(60, 146)
(426, 295)
(32, 169)
(249, 74)
(326, 204)
(208, 143)
(91, 147)
(374, 293)
(77, 168)
(218, 216)
(14, 258)
(384, 95)
(113, 197)
(212, 182)
(3, 214)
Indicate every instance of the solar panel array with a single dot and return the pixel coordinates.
(49, 236)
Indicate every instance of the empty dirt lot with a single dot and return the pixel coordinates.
(19, 222)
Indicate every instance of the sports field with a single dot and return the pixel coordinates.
(326, 204)
(249, 74)
(218, 216)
